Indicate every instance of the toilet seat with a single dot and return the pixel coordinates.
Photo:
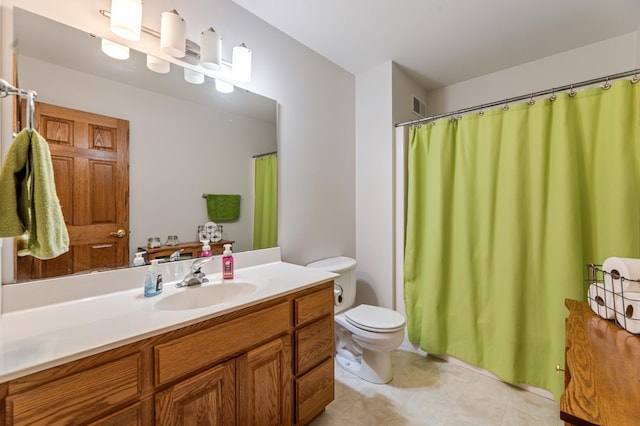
(375, 319)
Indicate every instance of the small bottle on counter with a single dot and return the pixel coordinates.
(227, 263)
(138, 260)
(206, 249)
(153, 280)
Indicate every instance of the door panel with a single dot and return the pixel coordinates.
(90, 156)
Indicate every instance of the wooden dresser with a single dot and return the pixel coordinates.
(602, 371)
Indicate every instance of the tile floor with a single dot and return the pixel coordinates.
(428, 391)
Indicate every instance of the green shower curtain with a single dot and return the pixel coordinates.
(504, 209)
(265, 218)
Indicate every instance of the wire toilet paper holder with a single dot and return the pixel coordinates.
(624, 316)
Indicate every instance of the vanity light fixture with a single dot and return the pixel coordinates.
(223, 86)
(173, 34)
(241, 63)
(158, 65)
(193, 77)
(173, 42)
(126, 18)
(114, 50)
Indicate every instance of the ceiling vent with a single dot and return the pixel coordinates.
(419, 107)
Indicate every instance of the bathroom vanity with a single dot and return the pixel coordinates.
(602, 378)
(266, 358)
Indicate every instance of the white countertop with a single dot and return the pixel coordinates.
(34, 339)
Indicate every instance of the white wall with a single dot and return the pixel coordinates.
(316, 113)
(383, 98)
(374, 177)
(595, 60)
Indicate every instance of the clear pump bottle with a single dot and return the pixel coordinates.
(153, 280)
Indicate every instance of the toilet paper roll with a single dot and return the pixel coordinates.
(626, 268)
(628, 311)
(602, 301)
(338, 300)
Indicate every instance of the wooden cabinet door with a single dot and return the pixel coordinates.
(90, 157)
(265, 385)
(207, 399)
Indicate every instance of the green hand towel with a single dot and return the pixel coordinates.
(223, 207)
(29, 202)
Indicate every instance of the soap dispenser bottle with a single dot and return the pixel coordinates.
(138, 260)
(206, 249)
(227, 263)
(153, 280)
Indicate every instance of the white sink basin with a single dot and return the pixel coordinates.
(205, 295)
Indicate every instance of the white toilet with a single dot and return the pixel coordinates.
(364, 335)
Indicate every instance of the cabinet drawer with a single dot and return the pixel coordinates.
(314, 343)
(314, 305)
(79, 397)
(314, 391)
(190, 353)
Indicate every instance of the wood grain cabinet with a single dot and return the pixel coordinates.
(314, 351)
(267, 364)
(602, 377)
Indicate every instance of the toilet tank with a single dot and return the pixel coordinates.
(346, 267)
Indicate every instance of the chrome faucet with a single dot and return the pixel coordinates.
(195, 276)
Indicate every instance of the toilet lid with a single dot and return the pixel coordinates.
(375, 318)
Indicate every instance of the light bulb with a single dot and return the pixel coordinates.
(210, 48)
(158, 65)
(173, 34)
(241, 64)
(115, 50)
(223, 86)
(126, 18)
(193, 77)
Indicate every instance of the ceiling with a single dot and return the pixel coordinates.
(441, 42)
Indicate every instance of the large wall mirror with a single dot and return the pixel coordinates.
(185, 140)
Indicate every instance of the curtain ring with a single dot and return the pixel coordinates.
(635, 78)
(572, 92)
(606, 85)
(531, 101)
(506, 105)
(553, 96)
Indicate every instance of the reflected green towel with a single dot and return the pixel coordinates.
(223, 207)
(29, 203)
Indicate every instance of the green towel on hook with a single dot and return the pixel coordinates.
(223, 207)
(29, 203)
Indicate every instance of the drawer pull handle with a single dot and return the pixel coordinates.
(558, 369)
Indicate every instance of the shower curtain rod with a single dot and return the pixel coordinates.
(265, 154)
(635, 73)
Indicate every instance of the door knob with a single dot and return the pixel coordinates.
(120, 233)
